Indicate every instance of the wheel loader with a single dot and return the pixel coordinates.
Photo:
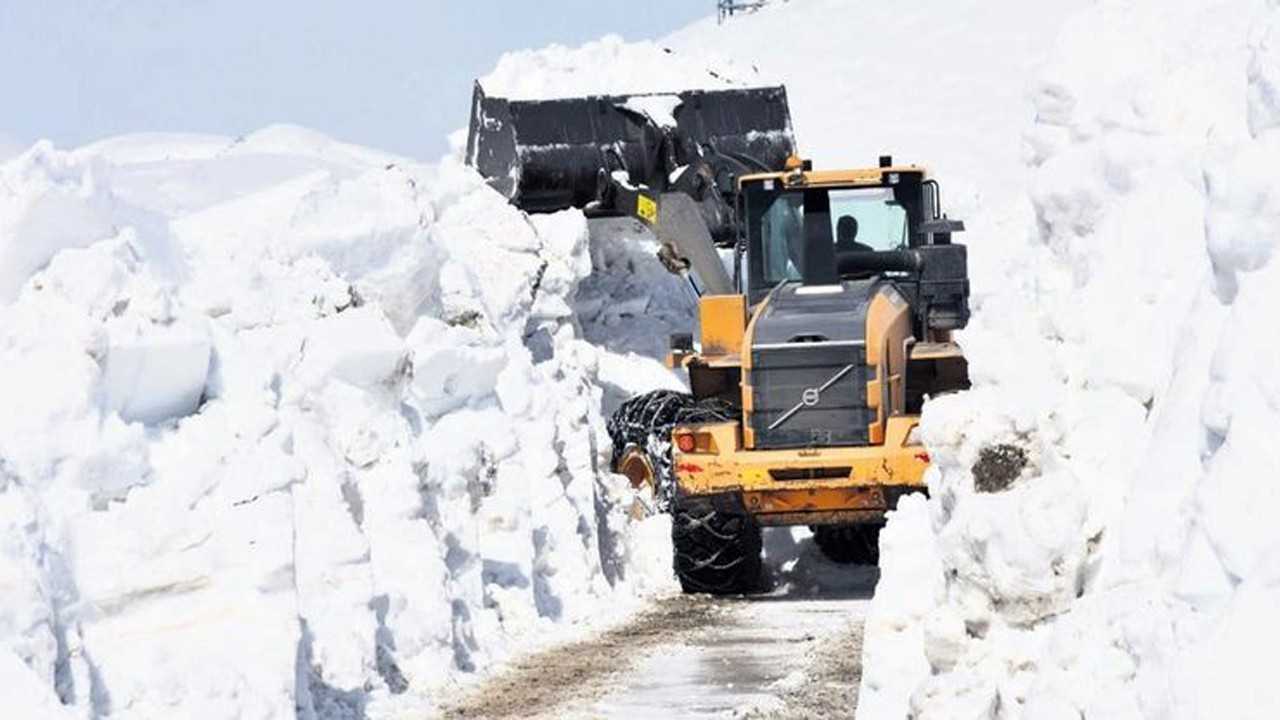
(827, 303)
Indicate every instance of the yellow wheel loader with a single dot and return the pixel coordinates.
(827, 303)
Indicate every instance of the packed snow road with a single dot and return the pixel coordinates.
(791, 652)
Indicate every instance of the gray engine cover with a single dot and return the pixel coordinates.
(808, 367)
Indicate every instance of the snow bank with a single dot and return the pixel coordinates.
(1097, 542)
(628, 307)
(939, 83)
(293, 428)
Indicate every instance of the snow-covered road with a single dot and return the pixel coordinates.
(792, 652)
(761, 657)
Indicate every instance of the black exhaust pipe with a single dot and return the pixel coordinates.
(878, 261)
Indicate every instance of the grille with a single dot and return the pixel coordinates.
(810, 395)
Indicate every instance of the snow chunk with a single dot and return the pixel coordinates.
(357, 346)
(660, 109)
(155, 374)
(48, 202)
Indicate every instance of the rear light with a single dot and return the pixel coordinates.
(688, 441)
(685, 442)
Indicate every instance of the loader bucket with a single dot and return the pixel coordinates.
(547, 155)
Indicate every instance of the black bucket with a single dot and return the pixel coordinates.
(547, 155)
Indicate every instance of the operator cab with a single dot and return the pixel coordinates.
(823, 228)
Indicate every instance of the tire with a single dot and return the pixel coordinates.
(849, 544)
(716, 552)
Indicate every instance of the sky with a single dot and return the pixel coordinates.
(392, 74)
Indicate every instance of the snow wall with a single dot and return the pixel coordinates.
(295, 428)
(1100, 539)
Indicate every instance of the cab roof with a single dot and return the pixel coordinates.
(832, 178)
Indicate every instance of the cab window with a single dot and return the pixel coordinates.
(862, 219)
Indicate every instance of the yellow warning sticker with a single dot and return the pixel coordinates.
(646, 209)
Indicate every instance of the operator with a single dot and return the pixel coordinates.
(847, 236)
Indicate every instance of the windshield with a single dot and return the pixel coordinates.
(861, 219)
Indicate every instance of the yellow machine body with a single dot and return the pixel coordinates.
(817, 485)
(806, 486)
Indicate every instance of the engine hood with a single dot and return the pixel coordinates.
(798, 313)
(808, 372)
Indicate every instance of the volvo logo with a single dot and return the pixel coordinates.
(811, 396)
